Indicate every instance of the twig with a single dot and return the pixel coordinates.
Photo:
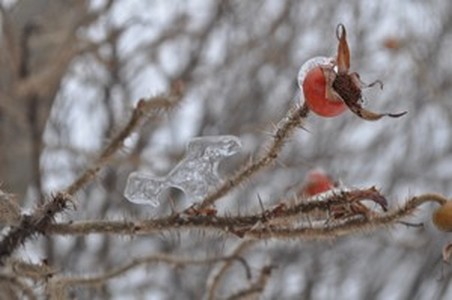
(257, 287)
(212, 284)
(21, 286)
(247, 225)
(349, 226)
(60, 283)
(32, 224)
(286, 127)
(143, 108)
(34, 271)
(43, 216)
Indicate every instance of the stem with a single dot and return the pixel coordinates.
(286, 127)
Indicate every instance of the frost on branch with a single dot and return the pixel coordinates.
(194, 174)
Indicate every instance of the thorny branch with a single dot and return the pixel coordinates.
(45, 214)
(143, 108)
(289, 219)
(286, 127)
(254, 226)
(32, 224)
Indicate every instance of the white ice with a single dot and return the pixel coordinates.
(195, 174)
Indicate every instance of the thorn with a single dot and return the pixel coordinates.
(261, 204)
(397, 115)
(409, 224)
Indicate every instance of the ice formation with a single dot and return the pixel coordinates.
(195, 174)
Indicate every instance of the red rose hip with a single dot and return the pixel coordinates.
(316, 94)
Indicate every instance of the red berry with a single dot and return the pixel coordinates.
(316, 182)
(315, 94)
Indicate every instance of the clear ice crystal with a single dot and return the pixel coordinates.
(194, 174)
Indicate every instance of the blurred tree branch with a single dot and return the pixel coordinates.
(70, 72)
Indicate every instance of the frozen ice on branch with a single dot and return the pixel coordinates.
(195, 174)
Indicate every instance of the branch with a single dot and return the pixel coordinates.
(43, 216)
(13, 282)
(58, 284)
(255, 226)
(212, 284)
(349, 226)
(32, 224)
(257, 287)
(144, 108)
(286, 127)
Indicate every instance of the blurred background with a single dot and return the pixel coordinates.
(72, 71)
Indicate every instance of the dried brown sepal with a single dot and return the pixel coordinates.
(348, 85)
(447, 252)
(345, 86)
(338, 212)
(370, 194)
(353, 206)
(337, 205)
(343, 52)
